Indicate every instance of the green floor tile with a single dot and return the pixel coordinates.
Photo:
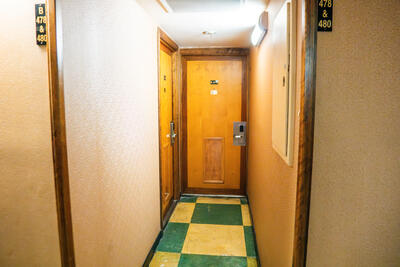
(192, 260)
(249, 238)
(173, 237)
(226, 214)
(243, 200)
(188, 199)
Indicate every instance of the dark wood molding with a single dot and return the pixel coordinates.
(153, 249)
(208, 57)
(243, 164)
(59, 143)
(215, 51)
(165, 48)
(245, 113)
(168, 214)
(167, 41)
(306, 134)
(159, 127)
(177, 120)
(183, 138)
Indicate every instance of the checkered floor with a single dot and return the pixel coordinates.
(206, 231)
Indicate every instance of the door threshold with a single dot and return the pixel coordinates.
(211, 195)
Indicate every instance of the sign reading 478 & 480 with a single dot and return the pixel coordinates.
(41, 21)
(325, 15)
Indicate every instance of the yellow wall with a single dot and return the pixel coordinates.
(355, 197)
(271, 182)
(28, 218)
(111, 96)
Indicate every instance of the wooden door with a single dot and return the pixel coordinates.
(212, 164)
(166, 117)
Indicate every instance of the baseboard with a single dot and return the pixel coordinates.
(211, 195)
(153, 250)
(254, 233)
(160, 234)
(169, 213)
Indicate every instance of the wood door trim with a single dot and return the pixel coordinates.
(215, 51)
(166, 49)
(215, 57)
(59, 141)
(306, 134)
(243, 151)
(165, 43)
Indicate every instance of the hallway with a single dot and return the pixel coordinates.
(208, 231)
(215, 133)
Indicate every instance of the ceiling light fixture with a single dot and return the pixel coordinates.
(209, 33)
(260, 30)
(167, 8)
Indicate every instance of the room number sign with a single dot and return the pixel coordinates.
(325, 12)
(41, 21)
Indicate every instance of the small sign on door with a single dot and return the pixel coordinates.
(41, 21)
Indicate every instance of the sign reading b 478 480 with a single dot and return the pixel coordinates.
(325, 15)
(41, 21)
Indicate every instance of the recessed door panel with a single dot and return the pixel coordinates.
(213, 160)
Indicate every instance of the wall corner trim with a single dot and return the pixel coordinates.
(306, 135)
(58, 133)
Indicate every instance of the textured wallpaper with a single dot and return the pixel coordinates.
(111, 94)
(355, 195)
(28, 218)
(271, 182)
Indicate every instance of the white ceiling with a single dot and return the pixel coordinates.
(233, 23)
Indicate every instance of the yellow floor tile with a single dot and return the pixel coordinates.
(183, 213)
(210, 239)
(212, 200)
(246, 215)
(165, 259)
(252, 262)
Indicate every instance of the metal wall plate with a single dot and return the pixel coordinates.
(239, 133)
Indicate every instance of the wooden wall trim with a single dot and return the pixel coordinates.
(215, 51)
(245, 117)
(158, 124)
(166, 40)
(176, 82)
(59, 144)
(306, 138)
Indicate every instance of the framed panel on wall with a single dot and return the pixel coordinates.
(284, 81)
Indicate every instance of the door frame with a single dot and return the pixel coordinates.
(163, 38)
(213, 54)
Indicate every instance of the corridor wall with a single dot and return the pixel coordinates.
(355, 195)
(28, 217)
(111, 97)
(271, 182)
